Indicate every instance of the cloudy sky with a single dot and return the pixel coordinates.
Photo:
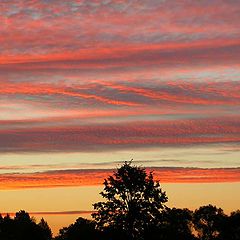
(86, 85)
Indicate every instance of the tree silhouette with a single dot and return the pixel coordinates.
(45, 229)
(231, 228)
(209, 221)
(174, 223)
(133, 202)
(82, 229)
(22, 227)
(23, 217)
(7, 227)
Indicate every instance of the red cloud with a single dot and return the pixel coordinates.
(132, 95)
(121, 135)
(47, 89)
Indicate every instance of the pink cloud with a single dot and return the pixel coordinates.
(125, 135)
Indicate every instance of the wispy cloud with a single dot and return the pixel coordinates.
(121, 136)
(51, 27)
(89, 177)
(79, 103)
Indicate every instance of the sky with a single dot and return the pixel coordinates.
(87, 85)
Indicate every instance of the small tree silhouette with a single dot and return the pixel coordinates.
(82, 229)
(208, 222)
(174, 223)
(23, 227)
(133, 202)
(45, 229)
(231, 227)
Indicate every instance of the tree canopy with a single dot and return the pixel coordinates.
(134, 201)
(82, 229)
(209, 222)
(23, 227)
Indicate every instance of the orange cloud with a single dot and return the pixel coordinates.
(88, 177)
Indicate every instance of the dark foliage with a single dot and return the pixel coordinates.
(134, 202)
(231, 227)
(82, 229)
(173, 224)
(209, 222)
(22, 227)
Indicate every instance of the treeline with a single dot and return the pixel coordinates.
(205, 223)
(23, 227)
(134, 208)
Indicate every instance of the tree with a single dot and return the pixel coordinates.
(81, 229)
(133, 202)
(174, 223)
(22, 227)
(46, 231)
(231, 228)
(7, 227)
(209, 221)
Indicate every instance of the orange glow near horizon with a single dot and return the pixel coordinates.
(77, 201)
